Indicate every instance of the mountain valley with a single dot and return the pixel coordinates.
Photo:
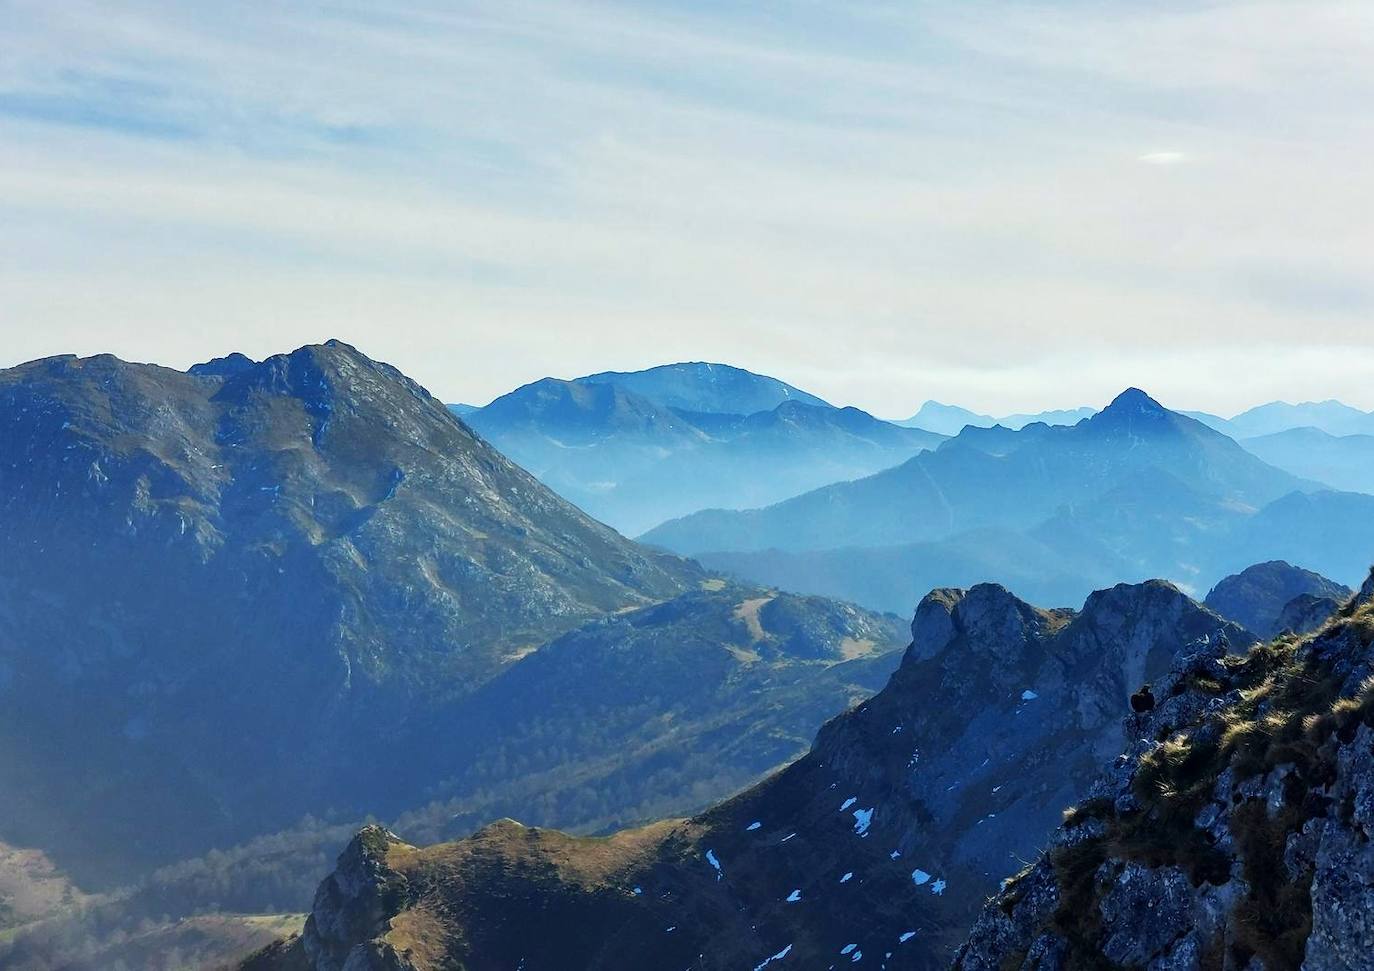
(884, 840)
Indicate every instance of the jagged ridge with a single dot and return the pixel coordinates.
(1233, 833)
(884, 840)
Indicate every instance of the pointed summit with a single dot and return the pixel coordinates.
(1134, 401)
(1133, 412)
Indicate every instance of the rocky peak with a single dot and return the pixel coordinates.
(223, 367)
(1134, 402)
(1234, 832)
(1133, 412)
(988, 620)
(1123, 616)
(355, 902)
(1257, 595)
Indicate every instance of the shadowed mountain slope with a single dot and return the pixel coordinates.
(1257, 597)
(882, 842)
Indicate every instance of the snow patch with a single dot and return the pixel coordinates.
(794, 896)
(863, 818)
(776, 957)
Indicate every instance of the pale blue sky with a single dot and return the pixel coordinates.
(1011, 205)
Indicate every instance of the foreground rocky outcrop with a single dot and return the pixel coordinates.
(879, 845)
(1233, 833)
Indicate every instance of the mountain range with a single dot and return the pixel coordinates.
(1326, 441)
(262, 590)
(1331, 416)
(881, 844)
(248, 607)
(1341, 461)
(637, 448)
(1134, 491)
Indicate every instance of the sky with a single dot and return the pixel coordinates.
(1008, 205)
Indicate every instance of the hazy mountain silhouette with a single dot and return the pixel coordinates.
(626, 449)
(951, 419)
(1342, 461)
(1132, 492)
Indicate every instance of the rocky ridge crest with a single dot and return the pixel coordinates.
(1233, 833)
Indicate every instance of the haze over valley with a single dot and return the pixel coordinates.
(394, 621)
(641, 485)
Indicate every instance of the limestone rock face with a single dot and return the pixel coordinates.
(354, 904)
(1234, 832)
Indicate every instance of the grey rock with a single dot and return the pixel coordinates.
(1144, 912)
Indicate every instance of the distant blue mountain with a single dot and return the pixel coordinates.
(1135, 491)
(461, 409)
(702, 387)
(1016, 481)
(1056, 416)
(1330, 416)
(935, 416)
(1342, 461)
(635, 459)
(951, 419)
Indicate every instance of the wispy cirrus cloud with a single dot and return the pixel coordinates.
(886, 201)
